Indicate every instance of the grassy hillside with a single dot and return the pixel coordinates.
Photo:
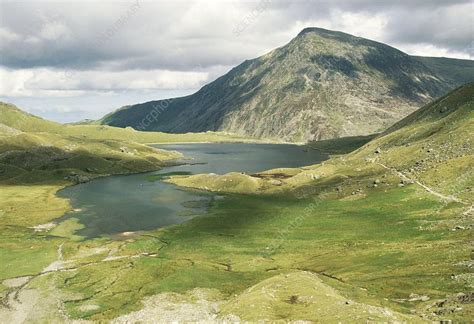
(321, 85)
(433, 145)
(13, 118)
(33, 150)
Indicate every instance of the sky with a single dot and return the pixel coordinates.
(69, 60)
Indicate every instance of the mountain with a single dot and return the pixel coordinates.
(456, 71)
(323, 84)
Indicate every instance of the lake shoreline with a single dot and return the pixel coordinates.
(146, 199)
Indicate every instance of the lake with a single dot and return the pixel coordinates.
(130, 203)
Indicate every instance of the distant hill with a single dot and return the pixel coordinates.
(323, 84)
(14, 120)
(35, 150)
(13, 117)
(84, 122)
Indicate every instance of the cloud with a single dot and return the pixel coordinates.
(449, 27)
(185, 35)
(48, 82)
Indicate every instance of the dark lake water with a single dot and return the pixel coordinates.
(130, 203)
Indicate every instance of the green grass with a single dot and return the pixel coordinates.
(25, 253)
(304, 295)
(67, 229)
(373, 243)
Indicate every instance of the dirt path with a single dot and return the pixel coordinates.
(428, 189)
(469, 211)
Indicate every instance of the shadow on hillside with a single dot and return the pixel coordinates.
(51, 165)
(341, 145)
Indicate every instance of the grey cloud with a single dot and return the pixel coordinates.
(187, 36)
(451, 27)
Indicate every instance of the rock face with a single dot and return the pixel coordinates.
(321, 85)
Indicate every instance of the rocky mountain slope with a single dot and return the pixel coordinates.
(323, 84)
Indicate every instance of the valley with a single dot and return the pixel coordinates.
(380, 231)
(201, 161)
(143, 202)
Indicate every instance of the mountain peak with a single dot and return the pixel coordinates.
(323, 84)
(334, 35)
(323, 31)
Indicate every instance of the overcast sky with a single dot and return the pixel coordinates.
(69, 60)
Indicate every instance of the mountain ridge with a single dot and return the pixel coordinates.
(322, 84)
